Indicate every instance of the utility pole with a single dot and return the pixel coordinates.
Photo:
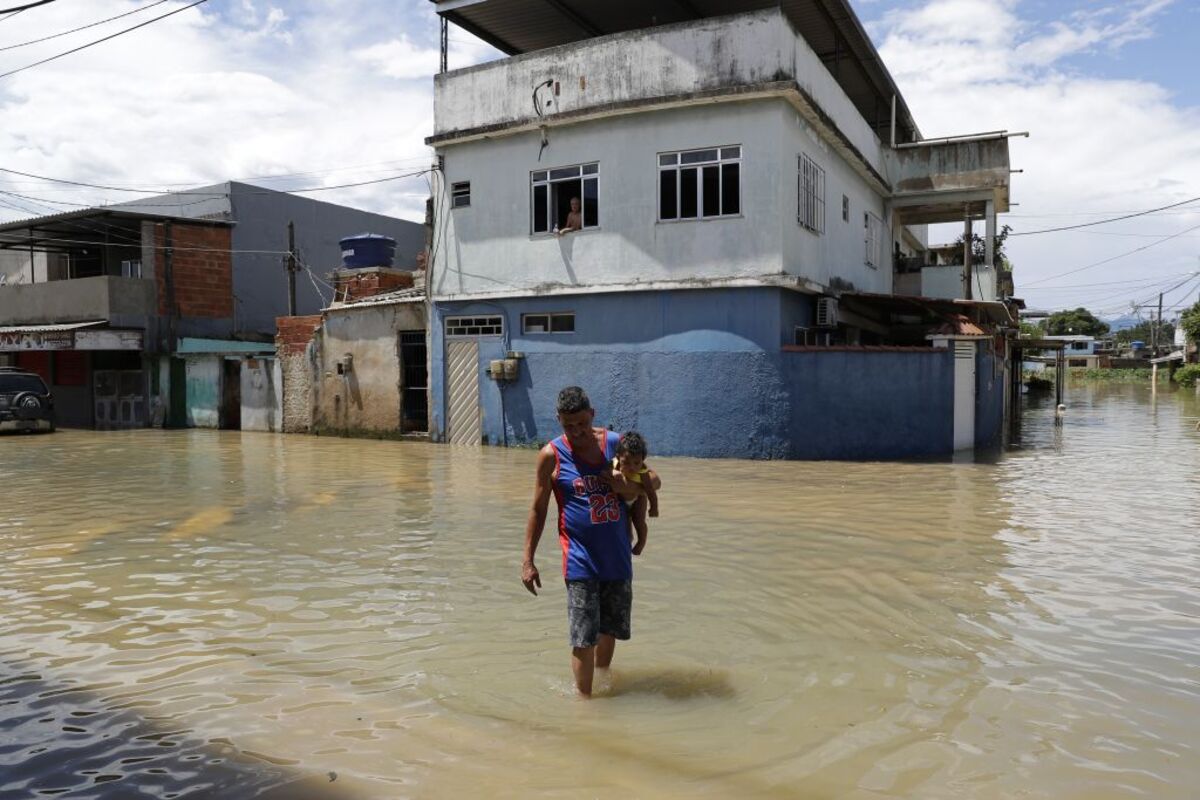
(1158, 326)
(291, 268)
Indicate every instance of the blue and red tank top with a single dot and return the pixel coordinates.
(593, 527)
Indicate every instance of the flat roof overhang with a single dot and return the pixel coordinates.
(71, 229)
(830, 27)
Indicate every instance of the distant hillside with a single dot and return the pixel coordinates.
(1123, 323)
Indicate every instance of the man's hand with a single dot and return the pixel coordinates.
(530, 577)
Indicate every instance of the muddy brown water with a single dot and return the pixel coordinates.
(214, 614)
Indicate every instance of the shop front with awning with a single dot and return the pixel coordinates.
(97, 373)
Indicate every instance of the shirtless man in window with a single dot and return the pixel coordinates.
(574, 219)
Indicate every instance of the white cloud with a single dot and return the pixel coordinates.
(1097, 145)
(231, 89)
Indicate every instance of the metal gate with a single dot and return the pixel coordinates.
(964, 395)
(464, 424)
(120, 399)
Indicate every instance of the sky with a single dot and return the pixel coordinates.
(312, 93)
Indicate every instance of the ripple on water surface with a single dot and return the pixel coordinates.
(247, 615)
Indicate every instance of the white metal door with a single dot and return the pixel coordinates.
(964, 395)
(463, 422)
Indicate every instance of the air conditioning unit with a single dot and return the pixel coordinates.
(827, 312)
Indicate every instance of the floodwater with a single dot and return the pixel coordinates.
(204, 614)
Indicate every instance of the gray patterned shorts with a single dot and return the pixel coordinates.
(595, 607)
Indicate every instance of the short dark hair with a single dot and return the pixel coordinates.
(572, 400)
(632, 444)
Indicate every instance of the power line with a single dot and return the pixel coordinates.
(18, 9)
(209, 194)
(1115, 258)
(99, 41)
(1102, 221)
(1145, 280)
(81, 27)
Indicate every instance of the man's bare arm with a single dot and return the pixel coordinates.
(537, 518)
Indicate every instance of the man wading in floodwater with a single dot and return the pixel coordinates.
(594, 531)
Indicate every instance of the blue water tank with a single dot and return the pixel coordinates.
(368, 250)
(1137, 345)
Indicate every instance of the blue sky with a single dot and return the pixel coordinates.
(341, 91)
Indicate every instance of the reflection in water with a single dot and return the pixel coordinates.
(224, 614)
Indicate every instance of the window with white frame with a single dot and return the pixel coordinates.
(460, 194)
(811, 188)
(871, 238)
(555, 322)
(551, 193)
(131, 268)
(475, 326)
(700, 184)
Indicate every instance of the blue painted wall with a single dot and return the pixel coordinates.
(989, 396)
(702, 373)
(865, 404)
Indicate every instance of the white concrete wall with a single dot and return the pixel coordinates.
(262, 401)
(839, 253)
(488, 246)
(947, 283)
(667, 61)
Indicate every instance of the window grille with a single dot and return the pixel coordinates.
(700, 184)
(552, 190)
(475, 326)
(811, 187)
(460, 194)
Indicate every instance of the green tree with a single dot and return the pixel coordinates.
(1032, 330)
(1144, 332)
(979, 248)
(1190, 322)
(1079, 322)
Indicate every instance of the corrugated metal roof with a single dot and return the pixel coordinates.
(830, 27)
(91, 213)
(62, 326)
(414, 295)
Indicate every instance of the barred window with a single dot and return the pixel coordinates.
(460, 194)
(698, 184)
(871, 228)
(475, 326)
(552, 191)
(811, 189)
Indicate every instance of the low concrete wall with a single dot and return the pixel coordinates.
(870, 404)
(105, 297)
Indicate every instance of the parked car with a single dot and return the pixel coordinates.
(25, 402)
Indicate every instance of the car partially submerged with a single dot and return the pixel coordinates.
(25, 402)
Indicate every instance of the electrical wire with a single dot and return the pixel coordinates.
(132, 190)
(18, 9)
(100, 41)
(81, 27)
(1116, 257)
(1105, 221)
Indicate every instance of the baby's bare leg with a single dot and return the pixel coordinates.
(637, 517)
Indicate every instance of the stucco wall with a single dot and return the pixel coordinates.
(488, 247)
(121, 301)
(703, 373)
(367, 397)
(296, 371)
(863, 404)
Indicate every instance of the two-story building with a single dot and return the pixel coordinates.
(162, 311)
(694, 210)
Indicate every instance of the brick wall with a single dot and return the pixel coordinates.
(353, 284)
(294, 333)
(202, 266)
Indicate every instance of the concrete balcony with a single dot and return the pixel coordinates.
(732, 58)
(116, 300)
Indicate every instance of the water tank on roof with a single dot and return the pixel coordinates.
(368, 250)
(1137, 346)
